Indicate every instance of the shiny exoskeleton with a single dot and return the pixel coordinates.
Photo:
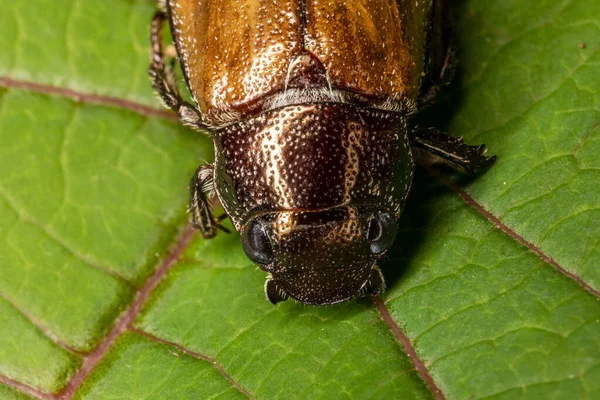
(307, 103)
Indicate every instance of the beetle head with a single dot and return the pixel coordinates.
(320, 257)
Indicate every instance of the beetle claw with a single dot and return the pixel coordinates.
(222, 228)
(434, 146)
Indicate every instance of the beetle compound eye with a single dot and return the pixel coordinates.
(382, 232)
(256, 243)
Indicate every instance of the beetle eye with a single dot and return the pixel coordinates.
(256, 243)
(382, 232)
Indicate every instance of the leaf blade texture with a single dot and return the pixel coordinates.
(493, 282)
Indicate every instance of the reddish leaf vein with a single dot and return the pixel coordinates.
(194, 354)
(126, 321)
(500, 225)
(25, 388)
(408, 348)
(34, 321)
(82, 97)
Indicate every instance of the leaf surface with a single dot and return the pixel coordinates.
(493, 283)
(532, 95)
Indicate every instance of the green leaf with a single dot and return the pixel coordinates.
(8, 393)
(97, 47)
(493, 283)
(533, 96)
(142, 368)
(268, 350)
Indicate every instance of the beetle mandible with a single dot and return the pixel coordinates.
(307, 103)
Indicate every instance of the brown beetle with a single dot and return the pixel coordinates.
(307, 104)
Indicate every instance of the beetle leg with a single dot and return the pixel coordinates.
(162, 5)
(201, 190)
(431, 146)
(376, 284)
(273, 292)
(163, 78)
(440, 55)
(432, 91)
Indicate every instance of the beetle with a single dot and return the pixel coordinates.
(307, 103)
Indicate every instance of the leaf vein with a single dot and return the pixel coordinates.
(22, 215)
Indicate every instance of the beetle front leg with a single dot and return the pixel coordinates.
(376, 283)
(162, 5)
(274, 293)
(201, 189)
(163, 78)
(433, 146)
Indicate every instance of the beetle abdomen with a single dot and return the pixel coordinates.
(237, 53)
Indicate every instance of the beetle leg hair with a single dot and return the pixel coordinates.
(201, 190)
(163, 79)
(431, 146)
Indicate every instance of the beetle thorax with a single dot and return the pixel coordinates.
(313, 157)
